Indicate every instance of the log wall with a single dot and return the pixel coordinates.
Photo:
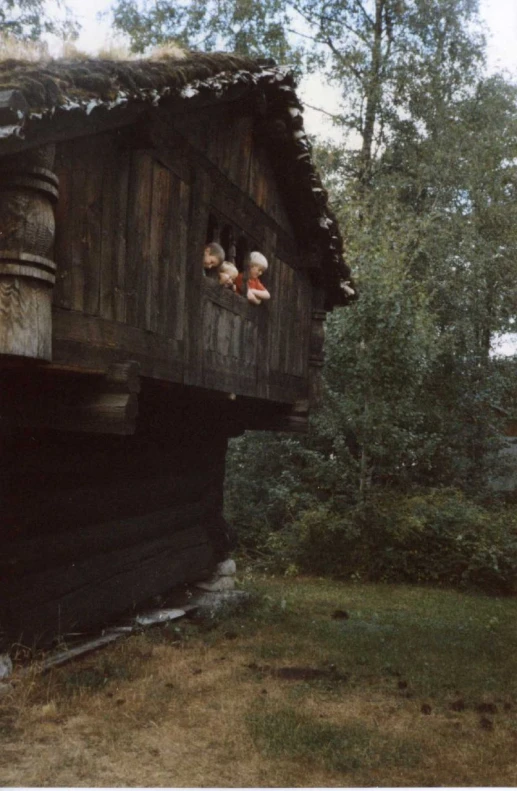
(95, 525)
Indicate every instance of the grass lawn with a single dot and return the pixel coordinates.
(318, 683)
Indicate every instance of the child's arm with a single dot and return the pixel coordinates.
(251, 296)
(260, 293)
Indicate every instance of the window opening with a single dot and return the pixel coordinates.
(228, 243)
(212, 231)
(241, 252)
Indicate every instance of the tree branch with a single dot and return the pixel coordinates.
(303, 35)
(311, 20)
(365, 12)
(321, 110)
(337, 54)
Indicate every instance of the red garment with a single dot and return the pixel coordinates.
(252, 283)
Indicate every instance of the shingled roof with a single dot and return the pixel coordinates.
(46, 101)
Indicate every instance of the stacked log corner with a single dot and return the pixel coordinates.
(28, 190)
(96, 525)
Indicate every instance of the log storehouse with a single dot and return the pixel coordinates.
(125, 369)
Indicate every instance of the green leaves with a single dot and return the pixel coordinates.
(246, 27)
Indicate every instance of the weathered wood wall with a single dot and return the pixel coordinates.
(131, 225)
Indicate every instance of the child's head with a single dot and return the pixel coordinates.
(213, 255)
(227, 273)
(257, 264)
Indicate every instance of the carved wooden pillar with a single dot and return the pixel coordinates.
(316, 356)
(28, 190)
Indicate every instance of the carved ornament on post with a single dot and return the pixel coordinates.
(28, 191)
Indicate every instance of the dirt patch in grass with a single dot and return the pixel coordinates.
(414, 688)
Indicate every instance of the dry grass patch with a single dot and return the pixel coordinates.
(397, 694)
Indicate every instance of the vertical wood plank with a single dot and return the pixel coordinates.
(108, 238)
(92, 160)
(213, 141)
(121, 246)
(159, 247)
(201, 191)
(181, 267)
(62, 296)
(274, 321)
(174, 315)
(113, 236)
(138, 233)
(235, 337)
(253, 173)
(229, 145)
(80, 165)
(246, 157)
(241, 137)
(75, 285)
(283, 329)
(165, 296)
(266, 315)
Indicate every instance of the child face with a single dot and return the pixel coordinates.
(209, 259)
(225, 278)
(255, 271)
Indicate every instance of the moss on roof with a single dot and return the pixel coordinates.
(47, 84)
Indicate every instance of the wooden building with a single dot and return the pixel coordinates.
(124, 369)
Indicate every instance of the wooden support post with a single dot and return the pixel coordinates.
(28, 189)
(316, 356)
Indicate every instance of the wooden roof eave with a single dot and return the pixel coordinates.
(21, 129)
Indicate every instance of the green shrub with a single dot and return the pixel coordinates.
(438, 537)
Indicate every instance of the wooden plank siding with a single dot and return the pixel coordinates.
(131, 226)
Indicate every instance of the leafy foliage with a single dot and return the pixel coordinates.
(429, 537)
(31, 19)
(246, 27)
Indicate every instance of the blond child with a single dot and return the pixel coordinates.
(257, 292)
(227, 274)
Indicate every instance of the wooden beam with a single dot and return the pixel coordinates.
(95, 404)
(13, 107)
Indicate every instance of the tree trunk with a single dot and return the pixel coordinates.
(373, 93)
